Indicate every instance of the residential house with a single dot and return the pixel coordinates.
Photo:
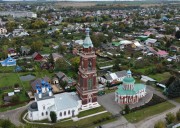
(12, 52)
(113, 78)
(150, 42)
(174, 48)
(147, 80)
(47, 66)
(38, 81)
(37, 57)
(3, 31)
(162, 53)
(9, 62)
(62, 77)
(25, 50)
(56, 56)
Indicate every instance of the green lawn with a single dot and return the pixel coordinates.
(9, 79)
(161, 76)
(147, 112)
(85, 121)
(177, 100)
(12, 107)
(91, 111)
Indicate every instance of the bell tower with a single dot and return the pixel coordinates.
(87, 82)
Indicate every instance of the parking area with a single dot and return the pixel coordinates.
(108, 102)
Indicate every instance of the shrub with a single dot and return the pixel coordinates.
(159, 124)
(170, 118)
(127, 109)
(178, 115)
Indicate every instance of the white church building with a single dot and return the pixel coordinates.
(65, 105)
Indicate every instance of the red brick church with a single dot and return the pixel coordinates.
(87, 82)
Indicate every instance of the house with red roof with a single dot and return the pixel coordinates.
(162, 53)
(37, 57)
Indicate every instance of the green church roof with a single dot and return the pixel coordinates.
(128, 80)
(137, 88)
(87, 42)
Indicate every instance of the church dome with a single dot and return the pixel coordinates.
(34, 105)
(87, 42)
(128, 80)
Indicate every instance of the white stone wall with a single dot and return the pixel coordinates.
(43, 108)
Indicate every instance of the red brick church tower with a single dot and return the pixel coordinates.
(87, 83)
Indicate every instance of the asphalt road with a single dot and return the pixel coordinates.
(14, 115)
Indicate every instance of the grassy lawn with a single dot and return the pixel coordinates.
(147, 112)
(9, 79)
(110, 90)
(11, 107)
(161, 76)
(177, 100)
(86, 121)
(91, 111)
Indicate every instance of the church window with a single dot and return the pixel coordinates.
(64, 113)
(90, 64)
(60, 114)
(81, 80)
(46, 113)
(90, 84)
(42, 114)
(43, 107)
(69, 112)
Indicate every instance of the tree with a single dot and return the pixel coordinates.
(177, 35)
(37, 46)
(127, 109)
(160, 124)
(61, 64)
(53, 117)
(173, 90)
(63, 84)
(75, 62)
(170, 118)
(61, 49)
(170, 80)
(178, 115)
(51, 60)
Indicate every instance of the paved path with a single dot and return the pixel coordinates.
(120, 123)
(14, 115)
(149, 122)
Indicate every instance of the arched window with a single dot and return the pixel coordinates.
(69, 112)
(60, 114)
(43, 107)
(46, 113)
(64, 113)
(42, 114)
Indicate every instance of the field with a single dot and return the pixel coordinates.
(147, 112)
(161, 76)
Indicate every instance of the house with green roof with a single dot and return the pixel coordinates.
(129, 92)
